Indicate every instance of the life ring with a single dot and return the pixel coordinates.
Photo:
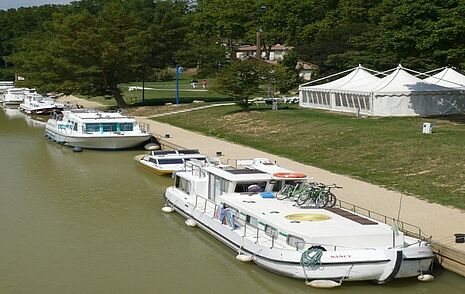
(289, 175)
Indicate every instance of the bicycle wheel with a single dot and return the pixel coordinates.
(331, 200)
(303, 197)
(321, 200)
(284, 192)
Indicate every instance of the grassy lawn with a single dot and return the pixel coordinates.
(377, 150)
(166, 91)
(163, 92)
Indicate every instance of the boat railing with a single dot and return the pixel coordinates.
(406, 228)
(195, 167)
(244, 162)
(206, 206)
(250, 231)
(144, 127)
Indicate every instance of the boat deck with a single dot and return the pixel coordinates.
(325, 226)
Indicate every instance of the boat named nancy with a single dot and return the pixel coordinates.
(309, 237)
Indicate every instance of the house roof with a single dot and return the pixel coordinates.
(302, 65)
(277, 47)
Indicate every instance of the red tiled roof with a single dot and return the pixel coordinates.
(277, 47)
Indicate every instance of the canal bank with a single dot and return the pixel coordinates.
(439, 222)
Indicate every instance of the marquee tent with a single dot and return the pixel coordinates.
(448, 77)
(329, 95)
(397, 94)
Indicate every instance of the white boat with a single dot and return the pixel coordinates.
(330, 244)
(15, 96)
(164, 162)
(34, 103)
(93, 129)
(5, 85)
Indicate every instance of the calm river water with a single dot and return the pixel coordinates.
(91, 222)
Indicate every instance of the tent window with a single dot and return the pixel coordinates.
(338, 99)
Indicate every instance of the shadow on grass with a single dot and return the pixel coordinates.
(453, 118)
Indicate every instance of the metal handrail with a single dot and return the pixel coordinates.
(407, 228)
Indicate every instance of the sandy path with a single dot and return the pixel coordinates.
(79, 101)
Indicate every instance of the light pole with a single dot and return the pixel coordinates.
(178, 69)
(143, 87)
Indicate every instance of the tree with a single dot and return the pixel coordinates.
(242, 80)
(96, 52)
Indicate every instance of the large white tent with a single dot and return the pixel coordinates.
(448, 77)
(397, 94)
(339, 95)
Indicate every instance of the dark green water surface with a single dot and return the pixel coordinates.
(91, 222)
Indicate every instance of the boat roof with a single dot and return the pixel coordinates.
(340, 225)
(239, 174)
(87, 115)
(179, 152)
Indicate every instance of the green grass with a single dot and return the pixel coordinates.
(166, 92)
(377, 150)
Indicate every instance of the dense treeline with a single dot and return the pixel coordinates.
(90, 46)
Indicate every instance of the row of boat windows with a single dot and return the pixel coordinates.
(99, 128)
(108, 127)
(173, 160)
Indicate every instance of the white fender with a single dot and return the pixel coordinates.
(425, 278)
(167, 209)
(323, 284)
(190, 222)
(244, 258)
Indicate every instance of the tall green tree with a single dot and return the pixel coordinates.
(96, 52)
(243, 79)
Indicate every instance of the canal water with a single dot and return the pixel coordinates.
(91, 222)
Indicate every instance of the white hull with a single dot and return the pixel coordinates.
(357, 264)
(39, 110)
(12, 102)
(95, 141)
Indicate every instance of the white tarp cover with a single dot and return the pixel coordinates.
(448, 77)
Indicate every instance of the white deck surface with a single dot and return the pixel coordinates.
(337, 230)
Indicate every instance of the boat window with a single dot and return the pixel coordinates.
(75, 127)
(183, 185)
(109, 127)
(252, 221)
(270, 231)
(92, 127)
(295, 242)
(126, 127)
(170, 161)
(218, 186)
(243, 186)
